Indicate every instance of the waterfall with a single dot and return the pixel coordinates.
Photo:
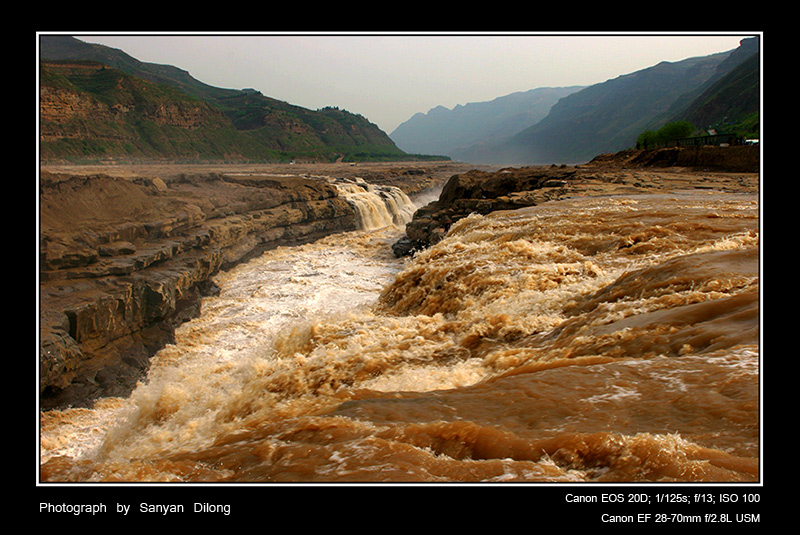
(376, 206)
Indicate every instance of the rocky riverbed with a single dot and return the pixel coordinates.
(729, 169)
(127, 251)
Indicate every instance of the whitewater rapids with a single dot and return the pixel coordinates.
(590, 339)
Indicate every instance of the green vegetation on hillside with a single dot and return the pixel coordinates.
(666, 134)
(100, 103)
(747, 128)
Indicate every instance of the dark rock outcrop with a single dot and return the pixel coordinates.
(631, 171)
(124, 261)
(481, 192)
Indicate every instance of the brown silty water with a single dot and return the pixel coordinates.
(584, 340)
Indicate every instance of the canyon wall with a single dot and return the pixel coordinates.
(123, 261)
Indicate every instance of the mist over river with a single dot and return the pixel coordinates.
(591, 339)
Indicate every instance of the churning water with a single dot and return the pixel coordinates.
(585, 340)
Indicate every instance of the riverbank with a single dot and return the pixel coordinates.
(595, 339)
(126, 252)
(628, 172)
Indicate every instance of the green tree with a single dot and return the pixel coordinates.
(647, 140)
(672, 131)
(664, 135)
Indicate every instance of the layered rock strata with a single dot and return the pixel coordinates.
(124, 261)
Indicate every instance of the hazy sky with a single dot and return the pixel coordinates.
(389, 77)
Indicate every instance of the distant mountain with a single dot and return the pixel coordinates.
(582, 123)
(454, 132)
(731, 98)
(99, 102)
(608, 117)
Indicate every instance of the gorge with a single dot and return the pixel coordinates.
(605, 330)
(125, 259)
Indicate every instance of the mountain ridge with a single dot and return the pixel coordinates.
(538, 126)
(454, 131)
(608, 117)
(79, 120)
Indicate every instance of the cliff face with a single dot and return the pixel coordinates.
(97, 106)
(90, 110)
(124, 261)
